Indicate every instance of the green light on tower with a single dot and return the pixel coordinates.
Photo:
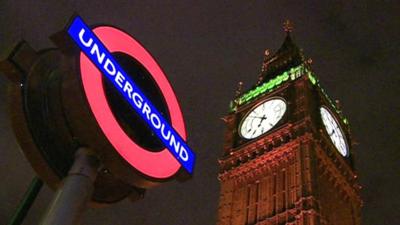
(272, 84)
(311, 77)
(293, 73)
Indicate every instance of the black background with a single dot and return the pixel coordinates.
(206, 48)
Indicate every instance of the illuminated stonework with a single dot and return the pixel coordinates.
(271, 85)
(292, 173)
(293, 73)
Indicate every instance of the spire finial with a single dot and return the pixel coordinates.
(265, 62)
(287, 26)
(266, 53)
(239, 89)
(264, 66)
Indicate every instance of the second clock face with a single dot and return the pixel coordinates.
(262, 118)
(334, 131)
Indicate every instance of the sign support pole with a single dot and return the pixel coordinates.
(26, 202)
(72, 197)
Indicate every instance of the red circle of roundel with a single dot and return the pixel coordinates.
(154, 164)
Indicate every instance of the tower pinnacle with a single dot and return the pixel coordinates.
(288, 26)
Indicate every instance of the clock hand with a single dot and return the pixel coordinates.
(262, 119)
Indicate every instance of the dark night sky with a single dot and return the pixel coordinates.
(206, 48)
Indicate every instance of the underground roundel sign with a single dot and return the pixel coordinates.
(97, 62)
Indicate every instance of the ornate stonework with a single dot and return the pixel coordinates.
(292, 174)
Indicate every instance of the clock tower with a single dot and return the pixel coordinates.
(287, 155)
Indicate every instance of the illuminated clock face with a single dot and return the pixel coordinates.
(262, 118)
(334, 131)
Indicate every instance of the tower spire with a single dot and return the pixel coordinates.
(286, 57)
(288, 26)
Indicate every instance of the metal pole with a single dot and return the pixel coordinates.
(26, 202)
(72, 197)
